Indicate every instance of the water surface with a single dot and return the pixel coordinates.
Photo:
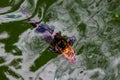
(24, 55)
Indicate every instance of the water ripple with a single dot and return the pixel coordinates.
(95, 23)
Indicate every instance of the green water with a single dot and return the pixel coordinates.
(24, 55)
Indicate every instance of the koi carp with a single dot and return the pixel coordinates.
(58, 43)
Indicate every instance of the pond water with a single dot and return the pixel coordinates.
(24, 55)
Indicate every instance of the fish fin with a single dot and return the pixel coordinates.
(71, 40)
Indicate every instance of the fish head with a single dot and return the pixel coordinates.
(69, 54)
(72, 58)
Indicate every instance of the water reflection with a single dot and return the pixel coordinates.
(95, 23)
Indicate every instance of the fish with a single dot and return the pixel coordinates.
(58, 44)
(14, 16)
